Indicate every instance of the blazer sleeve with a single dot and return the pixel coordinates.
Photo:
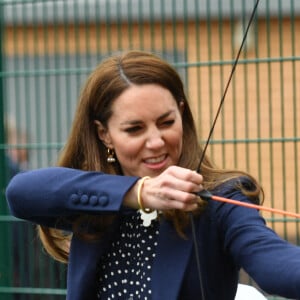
(46, 195)
(270, 260)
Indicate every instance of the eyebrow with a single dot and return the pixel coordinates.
(136, 122)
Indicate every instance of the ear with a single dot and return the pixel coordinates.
(103, 134)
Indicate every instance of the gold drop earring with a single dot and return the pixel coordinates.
(110, 156)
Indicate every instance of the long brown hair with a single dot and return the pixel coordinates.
(85, 151)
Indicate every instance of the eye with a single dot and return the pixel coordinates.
(133, 129)
(167, 123)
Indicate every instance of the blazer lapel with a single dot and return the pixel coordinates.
(173, 253)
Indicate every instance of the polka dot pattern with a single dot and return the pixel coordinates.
(125, 271)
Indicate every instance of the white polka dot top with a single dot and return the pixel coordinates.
(125, 271)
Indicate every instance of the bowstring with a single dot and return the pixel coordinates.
(228, 84)
(209, 138)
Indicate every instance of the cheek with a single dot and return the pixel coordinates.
(175, 140)
(128, 149)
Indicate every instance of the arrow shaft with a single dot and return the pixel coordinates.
(255, 206)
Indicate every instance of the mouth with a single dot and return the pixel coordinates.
(155, 160)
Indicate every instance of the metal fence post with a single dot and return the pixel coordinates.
(3, 176)
(5, 257)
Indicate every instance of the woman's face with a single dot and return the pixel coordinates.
(145, 130)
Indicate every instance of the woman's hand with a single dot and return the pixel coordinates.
(172, 189)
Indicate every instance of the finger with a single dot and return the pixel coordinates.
(185, 174)
(179, 184)
(191, 207)
(179, 199)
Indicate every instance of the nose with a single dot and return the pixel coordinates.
(154, 139)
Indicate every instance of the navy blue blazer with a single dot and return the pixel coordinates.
(229, 237)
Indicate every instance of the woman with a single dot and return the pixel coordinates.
(133, 148)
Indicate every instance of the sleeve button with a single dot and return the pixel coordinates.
(84, 199)
(94, 200)
(103, 200)
(74, 198)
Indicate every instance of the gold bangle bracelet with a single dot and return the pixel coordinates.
(139, 196)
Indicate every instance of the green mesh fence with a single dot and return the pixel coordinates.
(47, 48)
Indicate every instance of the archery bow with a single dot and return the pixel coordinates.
(205, 194)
